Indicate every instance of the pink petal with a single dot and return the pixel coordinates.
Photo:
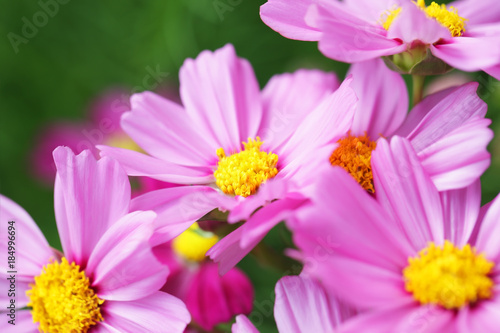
(446, 110)
(243, 325)
(220, 93)
(485, 317)
(369, 10)
(228, 251)
(213, 299)
(235, 246)
(138, 164)
(31, 247)
(361, 284)
(482, 213)
(478, 12)
(412, 24)
(420, 110)
(403, 317)
(302, 305)
(327, 123)
(239, 291)
(461, 210)
(406, 191)
(77, 136)
(23, 323)
(159, 312)
(449, 164)
(287, 18)
(383, 99)
(22, 285)
(89, 197)
(114, 263)
(444, 121)
(487, 238)
(260, 223)
(275, 188)
(344, 219)
(288, 98)
(179, 207)
(349, 39)
(469, 53)
(493, 71)
(165, 131)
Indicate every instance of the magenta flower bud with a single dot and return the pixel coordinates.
(214, 299)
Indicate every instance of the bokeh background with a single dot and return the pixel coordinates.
(84, 48)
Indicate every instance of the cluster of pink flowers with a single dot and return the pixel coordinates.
(383, 202)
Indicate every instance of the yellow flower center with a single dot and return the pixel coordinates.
(62, 299)
(448, 17)
(242, 173)
(449, 276)
(194, 243)
(354, 154)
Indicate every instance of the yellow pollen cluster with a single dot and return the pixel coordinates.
(448, 17)
(354, 155)
(62, 299)
(194, 243)
(449, 276)
(242, 173)
(389, 16)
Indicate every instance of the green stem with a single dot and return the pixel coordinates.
(418, 88)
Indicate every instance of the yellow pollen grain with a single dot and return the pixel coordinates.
(242, 173)
(194, 243)
(449, 276)
(448, 17)
(389, 16)
(62, 299)
(354, 155)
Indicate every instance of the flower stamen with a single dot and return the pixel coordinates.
(447, 17)
(242, 173)
(449, 276)
(354, 155)
(62, 299)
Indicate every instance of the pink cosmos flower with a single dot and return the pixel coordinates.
(210, 298)
(301, 306)
(107, 279)
(436, 128)
(463, 34)
(417, 260)
(201, 143)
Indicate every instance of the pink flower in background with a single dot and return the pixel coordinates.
(301, 306)
(102, 126)
(464, 35)
(213, 299)
(107, 279)
(239, 147)
(417, 260)
(210, 298)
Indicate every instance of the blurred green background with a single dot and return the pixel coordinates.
(87, 47)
